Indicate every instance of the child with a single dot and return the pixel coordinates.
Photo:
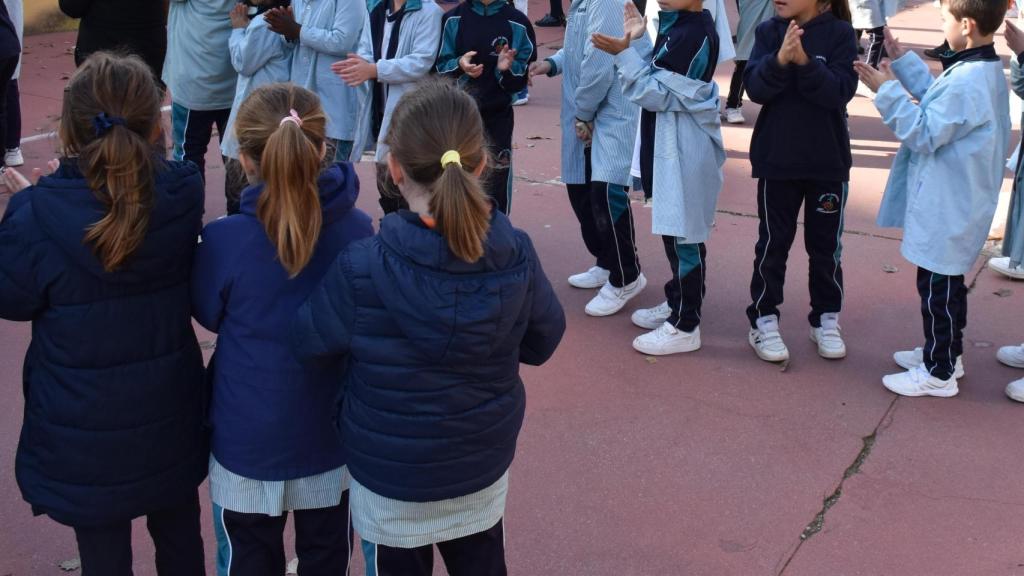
(1010, 264)
(324, 31)
(98, 256)
(599, 128)
(801, 71)
(871, 17)
(260, 57)
(12, 109)
(752, 14)
(274, 445)
(523, 97)
(945, 180)
(673, 82)
(433, 317)
(489, 45)
(199, 74)
(398, 48)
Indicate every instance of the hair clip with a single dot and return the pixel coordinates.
(102, 123)
(292, 117)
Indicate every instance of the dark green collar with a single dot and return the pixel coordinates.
(489, 9)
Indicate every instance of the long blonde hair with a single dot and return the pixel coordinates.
(428, 122)
(109, 119)
(282, 127)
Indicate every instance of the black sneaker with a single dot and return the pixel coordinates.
(549, 21)
(938, 52)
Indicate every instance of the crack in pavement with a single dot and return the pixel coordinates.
(832, 499)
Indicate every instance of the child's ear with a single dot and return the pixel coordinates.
(248, 166)
(967, 27)
(397, 176)
(323, 150)
(480, 169)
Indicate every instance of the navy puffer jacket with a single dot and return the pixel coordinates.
(433, 400)
(113, 377)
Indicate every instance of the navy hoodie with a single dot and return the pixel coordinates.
(474, 27)
(272, 417)
(801, 132)
(433, 399)
(113, 378)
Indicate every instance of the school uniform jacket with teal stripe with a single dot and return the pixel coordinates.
(673, 81)
(591, 91)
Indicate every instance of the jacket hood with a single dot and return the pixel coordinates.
(339, 190)
(65, 208)
(449, 309)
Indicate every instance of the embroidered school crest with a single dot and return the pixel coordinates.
(828, 203)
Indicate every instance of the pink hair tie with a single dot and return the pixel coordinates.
(293, 116)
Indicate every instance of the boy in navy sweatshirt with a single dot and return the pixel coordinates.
(801, 72)
(489, 45)
(672, 81)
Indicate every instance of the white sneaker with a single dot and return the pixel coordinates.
(909, 359)
(593, 278)
(828, 338)
(666, 339)
(766, 340)
(651, 318)
(13, 157)
(1015, 390)
(1002, 266)
(1012, 356)
(918, 382)
(734, 116)
(610, 299)
(521, 99)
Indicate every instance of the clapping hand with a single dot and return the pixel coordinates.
(634, 25)
(506, 56)
(240, 16)
(893, 48)
(466, 63)
(1014, 38)
(872, 78)
(282, 21)
(792, 50)
(16, 182)
(355, 70)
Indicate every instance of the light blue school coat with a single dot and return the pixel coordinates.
(688, 147)
(197, 68)
(260, 57)
(591, 91)
(945, 180)
(418, 39)
(331, 30)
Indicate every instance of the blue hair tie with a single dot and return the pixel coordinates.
(103, 123)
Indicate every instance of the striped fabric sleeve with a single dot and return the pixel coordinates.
(447, 55)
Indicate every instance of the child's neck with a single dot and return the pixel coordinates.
(809, 14)
(979, 41)
(397, 5)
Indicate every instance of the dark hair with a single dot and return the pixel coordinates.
(110, 116)
(840, 9)
(288, 153)
(988, 14)
(429, 121)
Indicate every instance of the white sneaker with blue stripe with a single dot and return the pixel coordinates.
(918, 382)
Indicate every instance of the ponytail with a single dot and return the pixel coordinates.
(462, 211)
(110, 115)
(289, 207)
(434, 118)
(281, 126)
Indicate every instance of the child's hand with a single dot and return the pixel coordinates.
(466, 63)
(633, 22)
(541, 68)
(506, 56)
(610, 44)
(282, 21)
(1014, 38)
(354, 70)
(893, 48)
(240, 16)
(584, 131)
(788, 51)
(872, 78)
(15, 182)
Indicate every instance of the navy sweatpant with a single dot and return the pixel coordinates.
(685, 291)
(778, 206)
(498, 178)
(944, 313)
(480, 554)
(606, 221)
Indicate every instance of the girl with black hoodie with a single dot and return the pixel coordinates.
(801, 71)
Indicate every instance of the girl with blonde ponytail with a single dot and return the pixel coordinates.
(97, 256)
(274, 447)
(433, 316)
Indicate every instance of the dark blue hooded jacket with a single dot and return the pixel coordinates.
(801, 132)
(272, 418)
(113, 377)
(433, 399)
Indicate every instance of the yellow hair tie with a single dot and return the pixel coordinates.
(451, 157)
